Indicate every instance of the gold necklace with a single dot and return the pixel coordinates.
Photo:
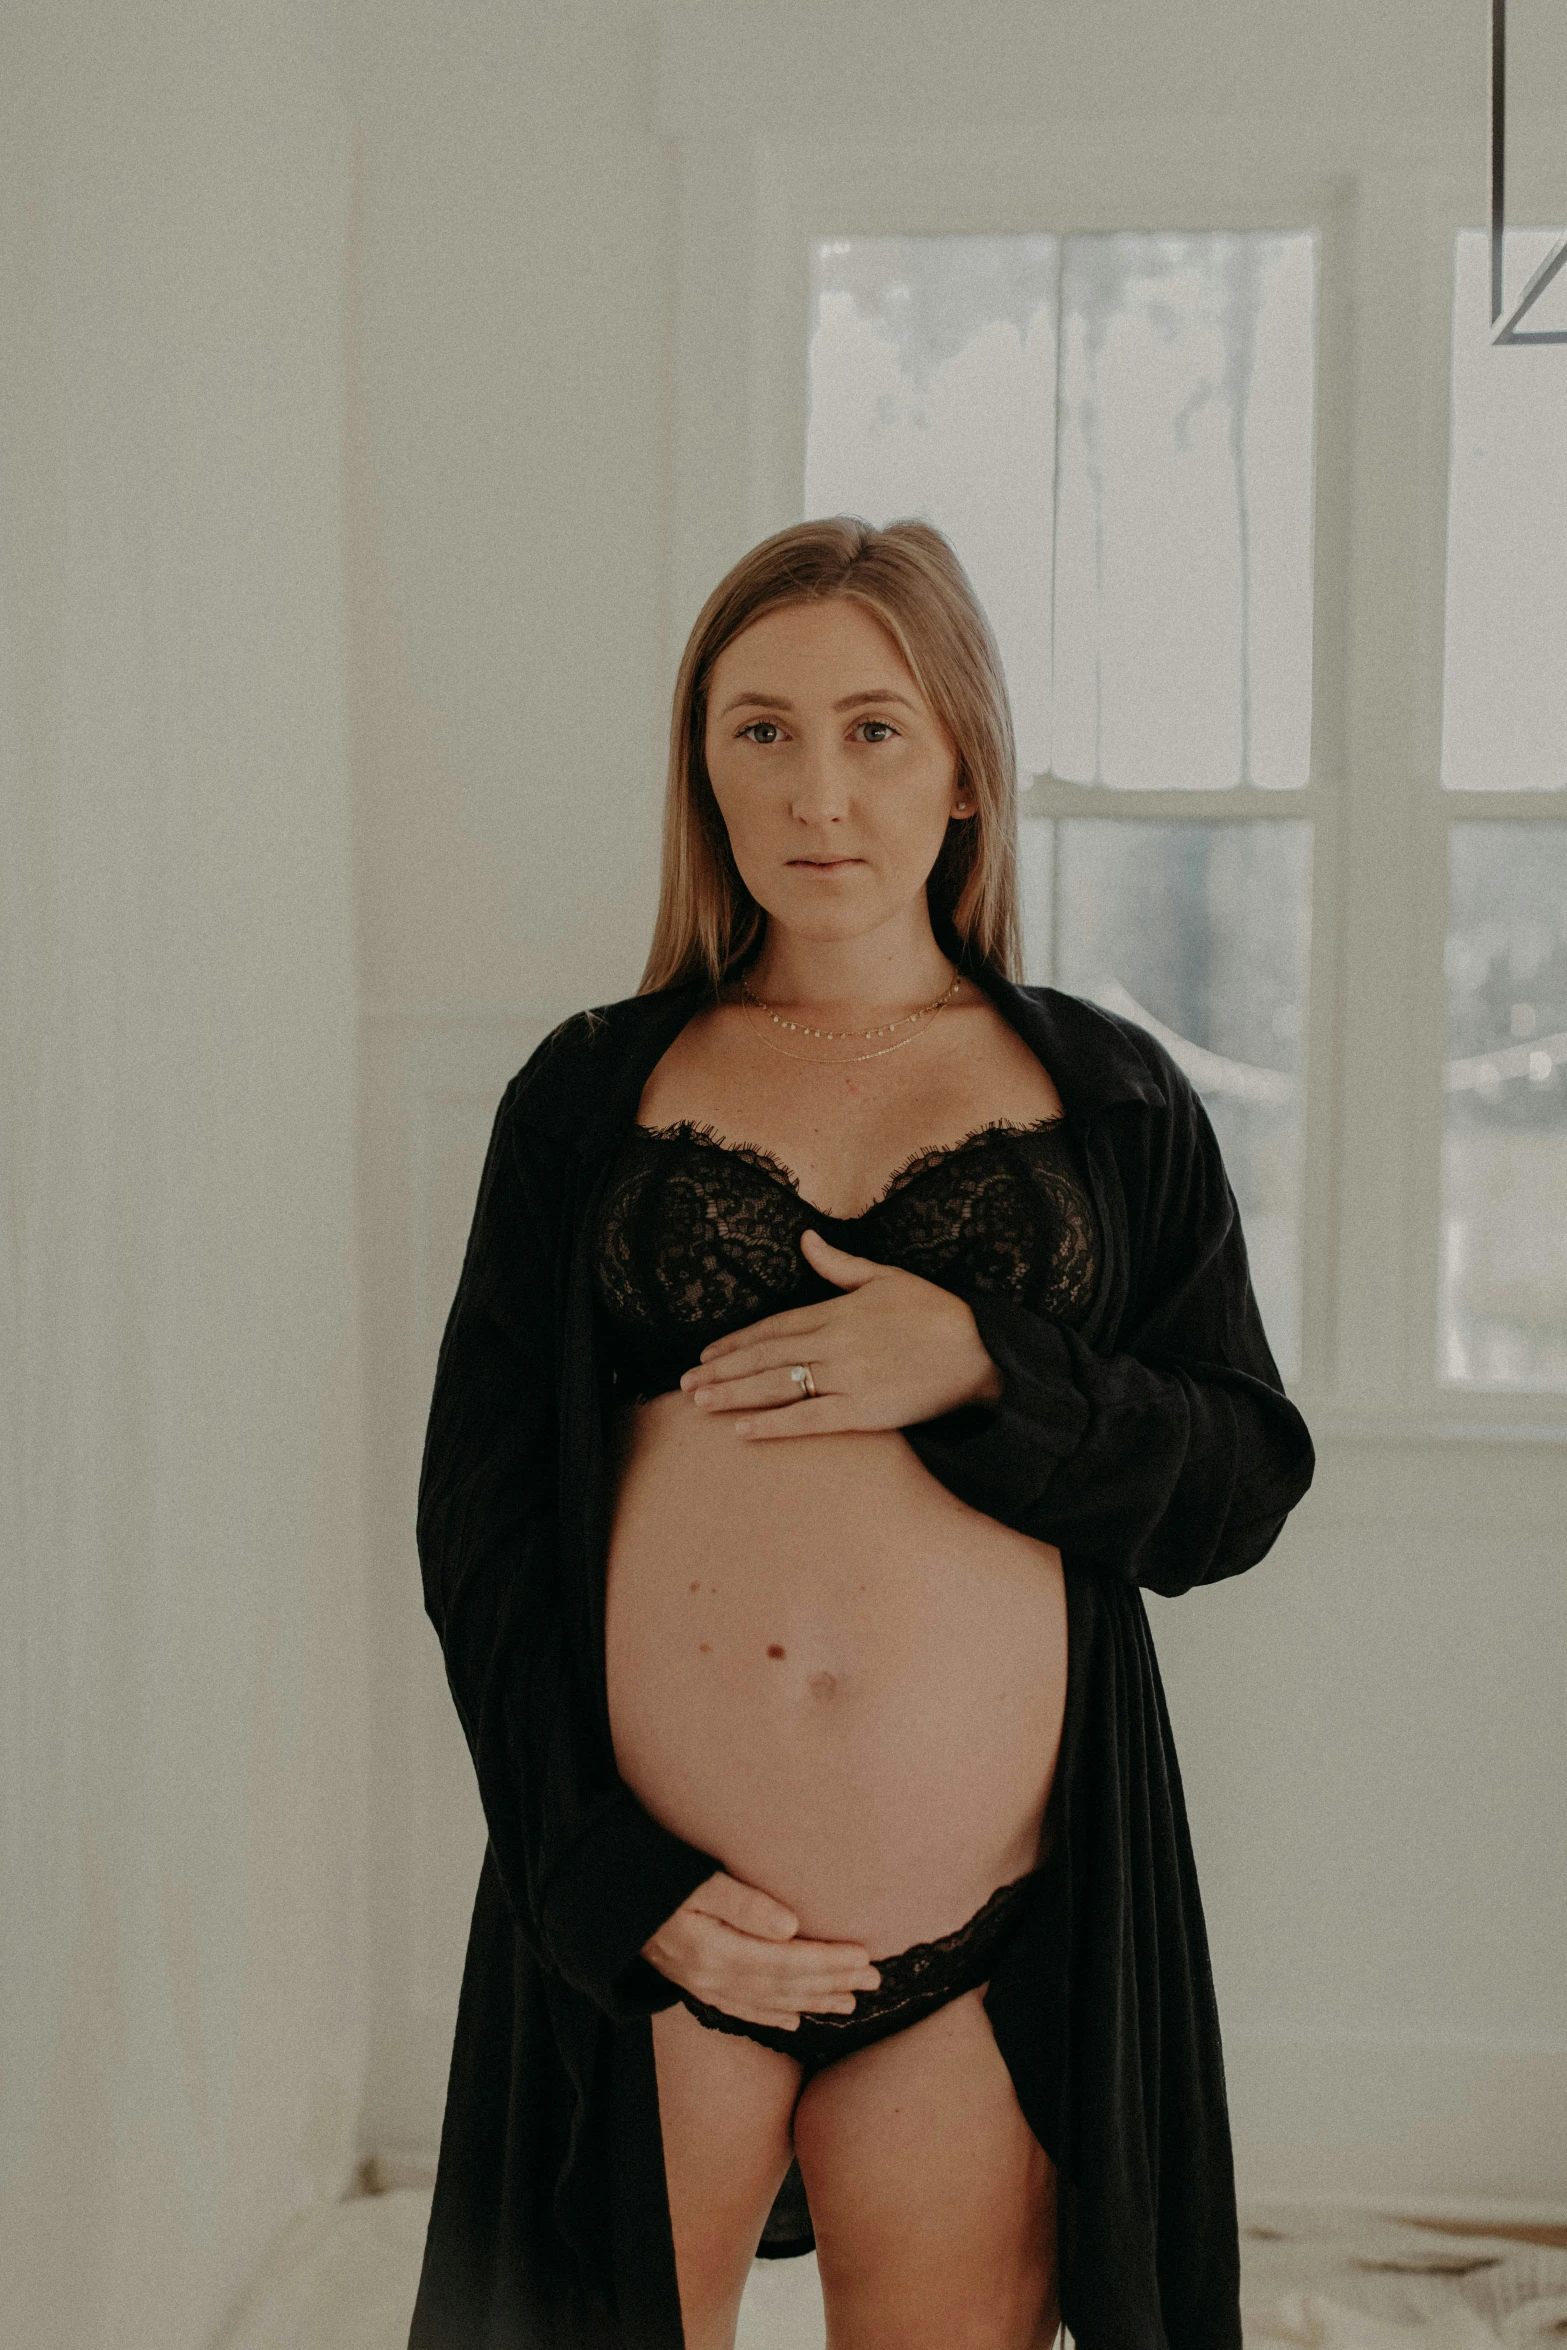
(799, 1028)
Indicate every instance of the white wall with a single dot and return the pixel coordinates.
(509, 466)
(555, 453)
(184, 2008)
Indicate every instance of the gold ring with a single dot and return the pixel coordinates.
(801, 1375)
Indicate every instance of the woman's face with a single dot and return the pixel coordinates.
(834, 776)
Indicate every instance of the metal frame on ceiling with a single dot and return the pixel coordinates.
(1542, 277)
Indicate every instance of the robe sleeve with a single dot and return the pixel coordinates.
(588, 1873)
(1175, 1459)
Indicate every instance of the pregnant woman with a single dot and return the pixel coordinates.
(846, 1333)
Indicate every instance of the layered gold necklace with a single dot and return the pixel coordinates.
(926, 1013)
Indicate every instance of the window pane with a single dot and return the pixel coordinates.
(1503, 1302)
(1153, 604)
(932, 393)
(1202, 934)
(1504, 681)
(1184, 510)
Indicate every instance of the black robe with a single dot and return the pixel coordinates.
(1153, 1445)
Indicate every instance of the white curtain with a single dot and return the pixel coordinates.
(183, 2004)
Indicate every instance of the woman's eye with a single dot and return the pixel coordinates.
(765, 731)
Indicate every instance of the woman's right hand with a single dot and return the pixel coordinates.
(735, 1948)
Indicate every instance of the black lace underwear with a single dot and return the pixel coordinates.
(914, 1983)
(699, 1237)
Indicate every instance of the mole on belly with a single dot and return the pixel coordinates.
(820, 1684)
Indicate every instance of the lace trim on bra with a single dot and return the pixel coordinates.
(698, 1236)
(917, 1163)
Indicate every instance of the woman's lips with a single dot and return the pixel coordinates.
(824, 865)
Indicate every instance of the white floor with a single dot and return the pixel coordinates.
(343, 2278)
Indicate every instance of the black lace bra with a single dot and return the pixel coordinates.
(698, 1237)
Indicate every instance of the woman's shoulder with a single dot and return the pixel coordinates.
(572, 1053)
(567, 1070)
(1117, 1050)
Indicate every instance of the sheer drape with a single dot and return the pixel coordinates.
(183, 2017)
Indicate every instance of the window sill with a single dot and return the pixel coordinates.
(1481, 1419)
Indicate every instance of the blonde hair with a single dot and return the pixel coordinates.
(907, 576)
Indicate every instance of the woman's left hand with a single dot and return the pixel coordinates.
(893, 1351)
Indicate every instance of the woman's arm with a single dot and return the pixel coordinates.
(589, 1874)
(1173, 1461)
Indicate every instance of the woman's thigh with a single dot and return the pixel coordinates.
(724, 2104)
(932, 2201)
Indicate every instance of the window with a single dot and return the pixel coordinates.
(1278, 599)
(1115, 430)
(1503, 1260)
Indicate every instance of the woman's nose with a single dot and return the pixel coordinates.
(819, 785)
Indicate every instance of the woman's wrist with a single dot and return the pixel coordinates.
(987, 1384)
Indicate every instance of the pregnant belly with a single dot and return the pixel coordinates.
(829, 1672)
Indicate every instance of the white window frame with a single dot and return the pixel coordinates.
(1386, 201)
